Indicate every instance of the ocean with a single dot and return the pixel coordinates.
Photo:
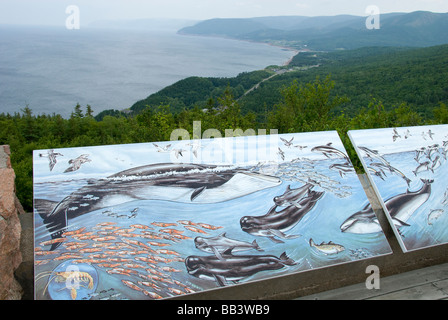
(51, 69)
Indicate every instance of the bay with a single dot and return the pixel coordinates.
(51, 69)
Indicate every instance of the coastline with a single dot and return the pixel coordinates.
(285, 64)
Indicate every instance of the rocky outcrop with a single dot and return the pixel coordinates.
(10, 230)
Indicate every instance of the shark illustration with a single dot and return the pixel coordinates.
(189, 183)
(276, 223)
(234, 267)
(400, 208)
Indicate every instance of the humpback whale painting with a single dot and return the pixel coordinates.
(407, 168)
(146, 221)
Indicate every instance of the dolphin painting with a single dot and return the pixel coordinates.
(189, 183)
(400, 208)
(222, 243)
(328, 150)
(234, 267)
(293, 196)
(276, 223)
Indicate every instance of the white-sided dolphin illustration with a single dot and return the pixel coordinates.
(189, 183)
(220, 244)
(329, 151)
(400, 208)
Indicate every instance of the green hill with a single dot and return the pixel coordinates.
(416, 29)
(416, 77)
(200, 91)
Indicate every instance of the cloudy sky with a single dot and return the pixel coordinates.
(52, 12)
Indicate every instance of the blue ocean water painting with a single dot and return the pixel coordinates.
(181, 234)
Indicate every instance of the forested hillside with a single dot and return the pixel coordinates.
(416, 77)
(416, 29)
(302, 108)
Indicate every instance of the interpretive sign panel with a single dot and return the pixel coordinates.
(408, 169)
(157, 220)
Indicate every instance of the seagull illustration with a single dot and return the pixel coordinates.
(178, 152)
(51, 155)
(281, 153)
(194, 147)
(162, 149)
(396, 135)
(407, 134)
(287, 143)
(75, 164)
(300, 147)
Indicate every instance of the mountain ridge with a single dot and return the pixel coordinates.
(415, 29)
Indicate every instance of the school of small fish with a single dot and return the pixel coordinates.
(304, 171)
(139, 254)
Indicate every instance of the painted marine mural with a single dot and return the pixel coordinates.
(408, 169)
(159, 220)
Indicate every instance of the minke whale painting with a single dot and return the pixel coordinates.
(408, 169)
(165, 219)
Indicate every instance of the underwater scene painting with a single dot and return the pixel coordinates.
(408, 169)
(165, 219)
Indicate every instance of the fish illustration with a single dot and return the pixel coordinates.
(174, 182)
(234, 267)
(419, 153)
(436, 163)
(425, 166)
(327, 248)
(222, 243)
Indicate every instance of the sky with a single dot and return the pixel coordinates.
(53, 12)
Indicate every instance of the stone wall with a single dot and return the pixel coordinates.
(10, 230)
